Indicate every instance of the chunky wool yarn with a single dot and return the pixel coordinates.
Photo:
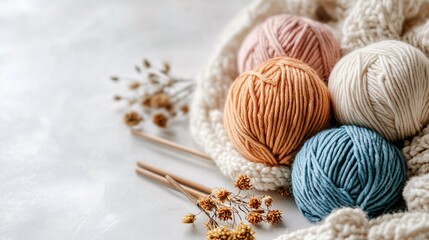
(416, 193)
(416, 153)
(403, 225)
(270, 111)
(353, 222)
(348, 166)
(383, 86)
(348, 223)
(290, 36)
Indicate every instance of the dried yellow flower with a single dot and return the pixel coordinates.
(224, 213)
(132, 101)
(132, 118)
(146, 102)
(160, 120)
(161, 91)
(166, 67)
(221, 194)
(244, 232)
(243, 183)
(254, 217)
(254, 203)
(206, 203)
(284, 191)
(220, 233)
(146, 63)
(160, 100)
(188, 218)
(268, 200)
(153, 78)
(134, 85)
(210, 224)
(274, 216)
(184, 109)
(170, 108)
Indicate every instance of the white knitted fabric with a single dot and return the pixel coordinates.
(416, 193)
(347, 223)
(416, 153)
(352, 224)
(354, 23)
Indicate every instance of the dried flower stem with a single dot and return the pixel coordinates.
(189, 196)
(170, 144)
(186, 90)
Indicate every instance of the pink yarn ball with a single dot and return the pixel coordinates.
(294, 37)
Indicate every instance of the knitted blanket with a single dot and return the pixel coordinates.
(355, 24)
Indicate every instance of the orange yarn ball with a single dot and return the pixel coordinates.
(271, 110)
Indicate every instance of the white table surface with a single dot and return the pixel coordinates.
(66, 159)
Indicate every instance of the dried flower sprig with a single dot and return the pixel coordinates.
(160, 96)
(223, 206)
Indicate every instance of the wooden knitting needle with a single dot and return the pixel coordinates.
(179, 187)
(201, 188)
(164, 181)
(170, 144)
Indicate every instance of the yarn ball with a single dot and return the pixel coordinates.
(294, 37)
(383, 86)
(348, 166)
(270, 111)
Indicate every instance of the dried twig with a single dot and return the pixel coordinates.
(189, 196)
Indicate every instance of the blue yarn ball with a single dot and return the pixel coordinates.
(348, 166)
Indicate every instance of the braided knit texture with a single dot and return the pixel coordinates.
(354, 24)
(352, 224)
(416, 153)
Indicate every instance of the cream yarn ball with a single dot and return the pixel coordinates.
(383, 86)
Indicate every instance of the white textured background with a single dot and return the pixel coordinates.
(66, 159)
